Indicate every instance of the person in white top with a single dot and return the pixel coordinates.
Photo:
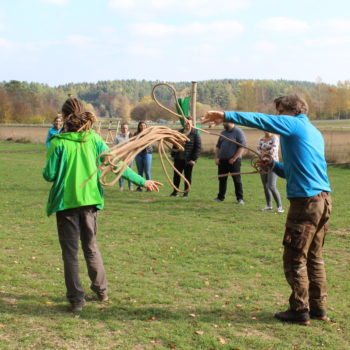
(123, 136)
(269, 145)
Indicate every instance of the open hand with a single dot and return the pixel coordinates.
(152, 185)
(213, 117)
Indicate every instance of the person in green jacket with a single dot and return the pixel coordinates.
(71, 159)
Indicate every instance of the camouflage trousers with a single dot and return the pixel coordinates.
(303, 240)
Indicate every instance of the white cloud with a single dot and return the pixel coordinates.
(7, 44)
(80, 41)
(213, 30)
(138, 49)
(56, 2)
(327, 42)
(152, 29)
(338, 25)
(266, 46)
(283, 24)
(189, 7)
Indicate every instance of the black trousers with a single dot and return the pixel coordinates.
(183, 167)
(224, 168)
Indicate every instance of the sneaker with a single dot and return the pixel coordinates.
(266, 208)
(185, 195)
(77, 307)
(131, 188)
(217, 200)
(240, 202)
(138, 189)
(173, 194)
(280, 210)
(121, 189)
(319, 314)
(103, 297)
(302, 318)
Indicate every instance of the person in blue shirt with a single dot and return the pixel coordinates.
(305, 169)
(55, 129)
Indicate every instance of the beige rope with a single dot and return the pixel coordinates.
(265, 157)
(117, 158)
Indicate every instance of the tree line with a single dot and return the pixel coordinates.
(24, 102)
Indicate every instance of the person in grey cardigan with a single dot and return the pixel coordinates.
(121, 137)
(269, 145)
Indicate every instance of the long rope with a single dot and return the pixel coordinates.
(116, 159)
(257, 156)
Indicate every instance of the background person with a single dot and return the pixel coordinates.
(124, 135)
(228, 157)
(71, 159)
(55, 129)
(184, 161)
(269, 145)
(144, 158)
(305, 170)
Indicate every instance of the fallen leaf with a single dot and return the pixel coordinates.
(192, 315)
(2, 326)
(33, 257)
(239, 305)
(153, 318)
(221, 340)
(206, 283)
(215, 326)
(199, 332)
(49, 303)
(172, 346)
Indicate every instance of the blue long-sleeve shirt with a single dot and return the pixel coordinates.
(302, 146)
(51, 133)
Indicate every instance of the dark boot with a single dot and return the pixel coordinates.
(318, 314)
(302, 318)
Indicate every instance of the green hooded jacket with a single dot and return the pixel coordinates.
(71, 159)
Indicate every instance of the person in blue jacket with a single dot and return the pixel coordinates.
(55, 129)
(305, 169)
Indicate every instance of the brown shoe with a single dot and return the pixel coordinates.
(302, 318)
(103, 297)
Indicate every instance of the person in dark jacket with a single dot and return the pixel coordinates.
(185, 160)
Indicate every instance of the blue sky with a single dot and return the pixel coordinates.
(62, 41)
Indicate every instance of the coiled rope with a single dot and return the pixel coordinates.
(254, 161)
(117, 158)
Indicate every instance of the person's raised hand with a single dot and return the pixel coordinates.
(213, 118)
(152, 185)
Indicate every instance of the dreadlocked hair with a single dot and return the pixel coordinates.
(75, 117)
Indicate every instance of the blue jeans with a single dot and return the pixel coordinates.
(143, 163)
(121, 180)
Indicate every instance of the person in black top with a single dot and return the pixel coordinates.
(185, 160)
(228, 159)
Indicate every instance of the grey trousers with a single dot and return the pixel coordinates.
(72, 225)
(270, 189)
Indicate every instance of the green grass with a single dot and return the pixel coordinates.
(176, 267)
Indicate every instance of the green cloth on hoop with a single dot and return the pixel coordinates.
(185, 106)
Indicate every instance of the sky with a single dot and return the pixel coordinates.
(62, 41)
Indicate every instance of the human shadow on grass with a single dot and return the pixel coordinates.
(21, 304)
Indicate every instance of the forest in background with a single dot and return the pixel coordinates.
(35, 103)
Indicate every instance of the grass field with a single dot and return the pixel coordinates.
(183, 273)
